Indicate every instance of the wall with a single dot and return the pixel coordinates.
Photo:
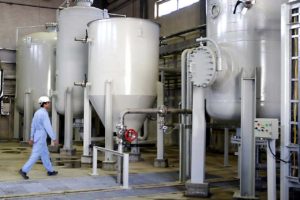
(185, 18)
(13, 15)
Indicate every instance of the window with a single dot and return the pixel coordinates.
(164, 7)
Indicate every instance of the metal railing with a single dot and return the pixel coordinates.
(124, 170)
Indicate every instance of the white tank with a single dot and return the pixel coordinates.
(248, 41)
(126, 52)
(72, 56)
(35, 66)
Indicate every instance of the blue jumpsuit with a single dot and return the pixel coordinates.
(40, 126)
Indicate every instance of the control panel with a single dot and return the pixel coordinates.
(266, 128)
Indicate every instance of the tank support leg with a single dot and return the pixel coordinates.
(247, 153)
(55, 125)
(28, 112)
(87, 127)
(109, 163)
(68, 145)
(197, 186)
(16, 122)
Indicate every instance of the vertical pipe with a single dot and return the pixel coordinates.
(109, 144)
(125, 171)
(68, 120)
(87, 122)
(183, 147)
(95, 160)
(247, 180)
(238, 133)
(182, 177)
(198, 137)
(16, 122)
(160, 134)
(271, 170)
(226, 146)
(189, 105)
(160, 140)
(55, 119)
(120, 150)
(285, 99)
(28, 112)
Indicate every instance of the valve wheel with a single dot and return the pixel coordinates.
(131, 135)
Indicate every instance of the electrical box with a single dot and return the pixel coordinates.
(266, 128)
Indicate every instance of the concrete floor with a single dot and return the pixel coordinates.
(74, 181)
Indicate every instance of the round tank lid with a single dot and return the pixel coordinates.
(84, 2)
(124, 18)
(51, 27)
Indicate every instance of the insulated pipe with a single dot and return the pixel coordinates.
(219, 62)
(68, 120)
(109, 143)
(182, 148)
(186, 103)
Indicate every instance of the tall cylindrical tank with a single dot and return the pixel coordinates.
(35, 65)
(249, 41)
(126, 52)
(72, 56)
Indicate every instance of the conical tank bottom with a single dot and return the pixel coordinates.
(121, 103)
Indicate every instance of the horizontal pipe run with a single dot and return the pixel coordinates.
(161, 111)
(203, 26)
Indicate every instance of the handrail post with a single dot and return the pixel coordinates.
(95, 159)
(125, 170)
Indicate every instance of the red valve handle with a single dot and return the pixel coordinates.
(131, 135)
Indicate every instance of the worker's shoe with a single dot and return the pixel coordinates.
(54, 173)
(23, 174)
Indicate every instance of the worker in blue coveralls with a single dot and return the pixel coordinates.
(40, 127)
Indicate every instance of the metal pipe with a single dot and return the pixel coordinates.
(145, 136)
(271, 169)
(163, 110)
(182, 147)
(226, 146)
(219, 62)
(203, 26)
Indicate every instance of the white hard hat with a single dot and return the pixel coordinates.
(43, 99)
